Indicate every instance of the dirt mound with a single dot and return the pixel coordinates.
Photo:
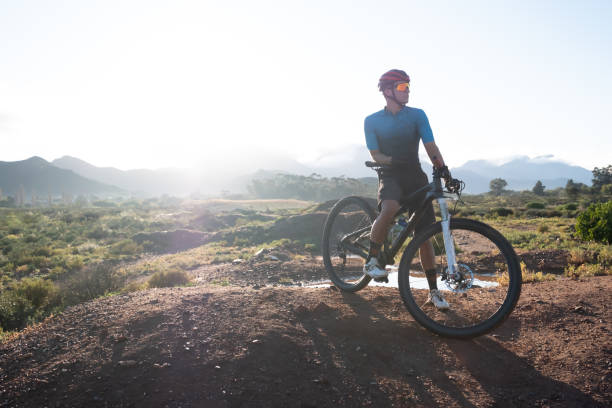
(548, 261)
(174, 241)
(242, 347)
(264, 271)
(208, 221)
(327, 205)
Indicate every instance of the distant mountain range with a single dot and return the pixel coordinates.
(74, 176)
(40, 177)
(521, 174)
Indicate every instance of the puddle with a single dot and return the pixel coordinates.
(417, 283)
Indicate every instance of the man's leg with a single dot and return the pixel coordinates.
(377, 236)
(381, 225)
(428, 262)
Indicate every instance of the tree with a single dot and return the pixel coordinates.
(595, 223)
(538, 189)
(497, 186)
(601, 177)
(572, 189)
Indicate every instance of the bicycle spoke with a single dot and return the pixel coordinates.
(481, 291)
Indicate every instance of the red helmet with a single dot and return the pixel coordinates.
(390, 77)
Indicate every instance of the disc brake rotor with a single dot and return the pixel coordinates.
(461, 280)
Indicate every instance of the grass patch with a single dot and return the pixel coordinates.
(528, 276)
(587, 270)
(167, 279)
(220, 282)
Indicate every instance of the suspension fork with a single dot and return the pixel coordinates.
(449, 243)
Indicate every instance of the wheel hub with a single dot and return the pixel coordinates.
(459, 281)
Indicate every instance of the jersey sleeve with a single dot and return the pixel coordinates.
(370, 135)
(424, 128)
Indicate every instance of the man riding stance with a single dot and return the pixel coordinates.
(392, 136)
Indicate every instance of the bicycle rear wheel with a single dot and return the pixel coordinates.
(346, 240)
(481, 294)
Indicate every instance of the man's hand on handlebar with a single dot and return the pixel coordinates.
(453, 185)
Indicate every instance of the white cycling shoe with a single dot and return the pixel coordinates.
(373, 269)
(436, 298)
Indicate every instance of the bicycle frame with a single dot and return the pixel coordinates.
(433, 191)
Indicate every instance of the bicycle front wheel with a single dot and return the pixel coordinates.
(346, 241)
(482, 290)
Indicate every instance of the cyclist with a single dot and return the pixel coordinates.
(392, 136)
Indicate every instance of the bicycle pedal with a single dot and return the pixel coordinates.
(381, 280)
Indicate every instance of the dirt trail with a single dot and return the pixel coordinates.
(211, 346)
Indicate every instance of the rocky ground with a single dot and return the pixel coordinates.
(243, 339)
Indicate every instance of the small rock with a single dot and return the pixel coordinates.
(237, 261)
(127, 363)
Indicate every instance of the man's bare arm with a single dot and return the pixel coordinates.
(434, 154)
(380, 157)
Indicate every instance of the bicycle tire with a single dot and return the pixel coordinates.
(345, 269)
(491, 296)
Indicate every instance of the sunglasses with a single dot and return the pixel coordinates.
(403, 86)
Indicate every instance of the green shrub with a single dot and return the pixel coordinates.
(542, 228)
(91, 282)
(595, 223)
(578, 256)
(133, 287)
(536, 205)
(39, 292)
(165, 279)
(97, 233)
(584, 270)
(605, 256)
(502, 212)
(125, 247)
(14, 310)
(571, 206)
(533, 213)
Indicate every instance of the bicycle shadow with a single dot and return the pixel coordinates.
(459, 369)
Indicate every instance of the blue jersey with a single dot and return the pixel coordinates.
(398, 135)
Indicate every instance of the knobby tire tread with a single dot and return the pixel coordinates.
(328, 226)
(500, 315)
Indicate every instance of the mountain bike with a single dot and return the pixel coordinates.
(478, 270)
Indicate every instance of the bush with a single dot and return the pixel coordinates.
(595, 223)
(125, 247)
(571, 206)
(165, 279)
(90, 283)
(578, 256)
(584, 270)
(39, 292)
(502, 212)
(605, 256)
(14, 310)
(133, 287)
(536, 205)
(533, 213)
(542, 228)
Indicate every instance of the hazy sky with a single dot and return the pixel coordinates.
(134, 84)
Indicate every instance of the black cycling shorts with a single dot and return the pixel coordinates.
(397, 185)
